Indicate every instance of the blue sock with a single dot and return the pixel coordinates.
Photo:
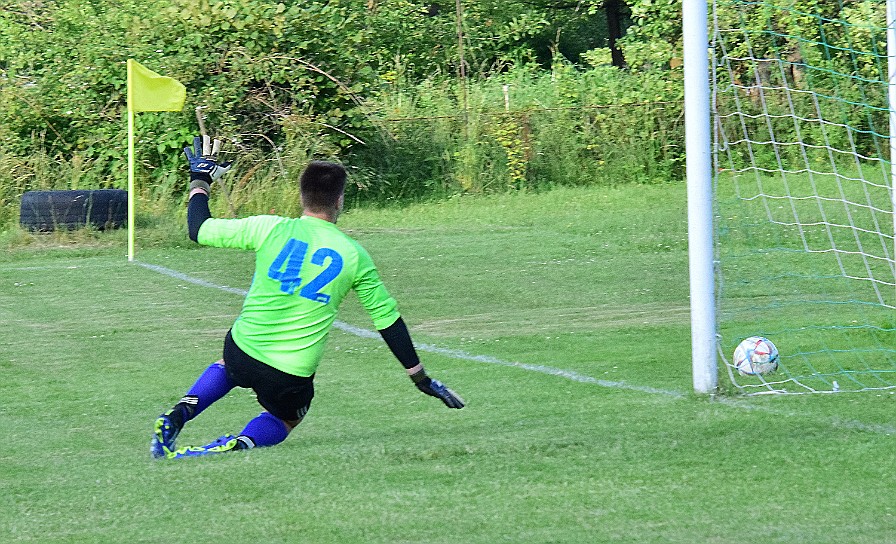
(210, 387)
(265, 430)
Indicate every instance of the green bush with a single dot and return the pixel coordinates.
(524, 130)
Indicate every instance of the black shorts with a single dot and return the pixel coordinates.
(285, 396)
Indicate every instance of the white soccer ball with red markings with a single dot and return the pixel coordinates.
(756, 355)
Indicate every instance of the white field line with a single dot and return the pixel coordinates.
(552, 371)
(463, 355)
(429, 348)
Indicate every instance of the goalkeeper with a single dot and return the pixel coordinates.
(303, 269)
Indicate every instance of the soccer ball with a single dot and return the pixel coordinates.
(756, 355)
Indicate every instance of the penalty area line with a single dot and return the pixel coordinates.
(438, 350)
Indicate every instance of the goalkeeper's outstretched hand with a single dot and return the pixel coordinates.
(435, 388)
(203, 159)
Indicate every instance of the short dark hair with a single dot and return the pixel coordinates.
(321, 184)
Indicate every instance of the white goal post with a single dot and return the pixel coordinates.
(698, 166)
(790, 148)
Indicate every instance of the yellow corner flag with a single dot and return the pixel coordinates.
(148, 91)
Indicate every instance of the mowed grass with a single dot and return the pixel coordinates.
(615, 448)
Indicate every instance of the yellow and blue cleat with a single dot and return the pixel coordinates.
(164, 434)
(224, 444)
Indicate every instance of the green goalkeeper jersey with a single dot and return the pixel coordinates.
(303, 269)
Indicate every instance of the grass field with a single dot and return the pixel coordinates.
(561, 318)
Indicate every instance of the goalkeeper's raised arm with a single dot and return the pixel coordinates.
(204, 169)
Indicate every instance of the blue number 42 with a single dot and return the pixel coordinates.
(287, 268)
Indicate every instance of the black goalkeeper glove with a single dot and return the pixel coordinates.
(435, 388)
(204, 168)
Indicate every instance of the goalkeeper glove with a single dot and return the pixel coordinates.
(204, 168)
(435, 388)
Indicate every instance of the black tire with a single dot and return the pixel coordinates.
(47, 211)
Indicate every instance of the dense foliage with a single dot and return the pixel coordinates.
(290, 80)
(536, 93)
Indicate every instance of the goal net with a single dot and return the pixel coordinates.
(803, 206)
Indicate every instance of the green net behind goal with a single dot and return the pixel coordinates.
(804, 200)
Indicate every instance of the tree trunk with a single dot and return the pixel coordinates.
(614, 31)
